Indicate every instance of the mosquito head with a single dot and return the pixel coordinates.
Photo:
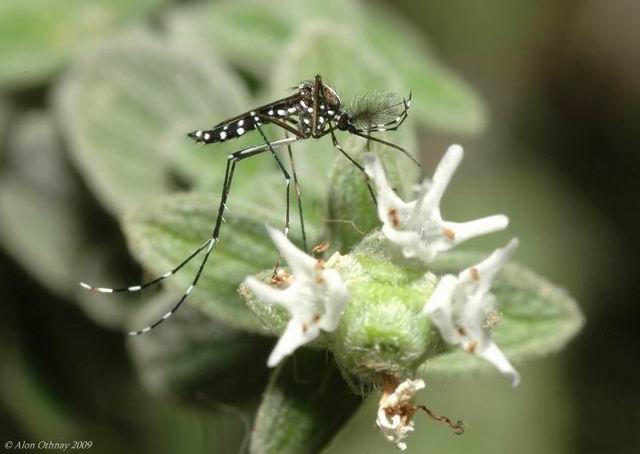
(345, 123)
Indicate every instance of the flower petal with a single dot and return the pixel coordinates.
(298, 261)
(494, 355)
(387, 198)
(430, 200)
(269, 295)
(459, 232)
(439, 308)
(293, 337)
(484, 272)
(337, 297)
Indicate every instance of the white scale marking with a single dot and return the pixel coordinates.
(306, 121)
(256, 118)
(240, 131)
(281, 112)
(104, 290)
(189, 290)
(223, 135)
(167, 274)
(270, 112)
(167, 315)
(199, 133)
(146, 330)
(135, 288)
(321, 119)
(310, 110)
(225, 128)
(292, 109)
(330, 112)
(303, 104)
(241, 122)
(321, 106)
(85, 286)
(206, 136)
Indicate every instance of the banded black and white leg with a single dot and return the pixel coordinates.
(232, 160)
(208, 245)
(296, 186)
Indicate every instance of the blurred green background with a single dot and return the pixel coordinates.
(95, 99)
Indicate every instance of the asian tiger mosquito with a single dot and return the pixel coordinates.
(313, 111)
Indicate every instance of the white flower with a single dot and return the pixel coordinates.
(417, 226)
(395, 412)
(460, 307)
(315, 297)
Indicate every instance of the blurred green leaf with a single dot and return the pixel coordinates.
(38, 223)
(305, 405)
(536, 317)
(194, 355)
(441, 100)
(4, 116)
(165, 232)
(249, 34)
(126, 109)
(38, 37)
(45, 223)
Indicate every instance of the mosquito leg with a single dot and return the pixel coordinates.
(232, 160)
(389, 144)
(242, 154)
(353, 161)
(296, 185)
(287, 179)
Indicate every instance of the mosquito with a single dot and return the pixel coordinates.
(313, 111)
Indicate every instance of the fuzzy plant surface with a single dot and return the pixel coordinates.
(101, 178)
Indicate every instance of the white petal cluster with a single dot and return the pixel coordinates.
(395, 412)
(460, 307)
(417, 226)
(315, 297)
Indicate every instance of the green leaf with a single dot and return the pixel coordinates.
(536, 317)
(126, 109)
(46, 225)
(165, 232)
(305, 405)
(39, 37)
(441, 99)
(249, 34)
(194, 355)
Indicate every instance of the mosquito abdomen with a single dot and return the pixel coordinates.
(226, 131)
